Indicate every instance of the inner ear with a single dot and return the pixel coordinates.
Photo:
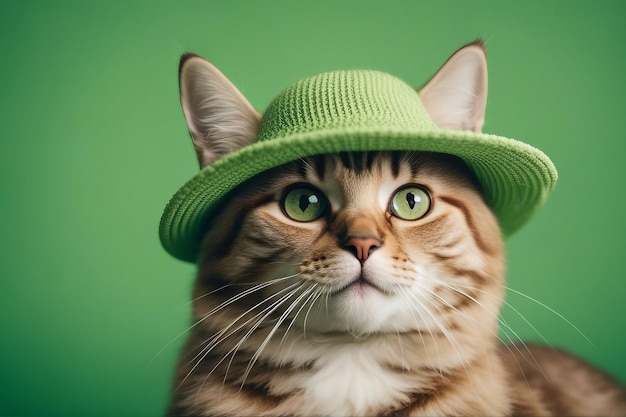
(456, 96)
(218, 116)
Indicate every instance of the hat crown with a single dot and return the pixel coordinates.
(344, 99)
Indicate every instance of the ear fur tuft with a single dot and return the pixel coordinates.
(218, 116)
(456, 96)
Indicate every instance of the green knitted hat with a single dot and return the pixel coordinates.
(358, 111)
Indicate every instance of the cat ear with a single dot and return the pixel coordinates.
(456, 96)
(219, 117)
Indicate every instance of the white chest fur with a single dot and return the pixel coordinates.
(351, 381)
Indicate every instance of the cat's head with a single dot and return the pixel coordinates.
(351, 242)
(347, 111)
(358, 243)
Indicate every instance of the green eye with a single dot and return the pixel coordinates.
(410, 202)
(304, 204)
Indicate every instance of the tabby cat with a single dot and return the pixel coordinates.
(360, 283)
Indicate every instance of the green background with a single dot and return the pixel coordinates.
(93, 144)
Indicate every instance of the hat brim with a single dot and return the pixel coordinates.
(516, 178)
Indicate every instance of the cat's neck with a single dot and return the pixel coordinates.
(381, 374)
(356, 379)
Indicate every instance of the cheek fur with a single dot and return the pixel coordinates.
(455, 270)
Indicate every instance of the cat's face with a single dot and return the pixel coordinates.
(354, 244)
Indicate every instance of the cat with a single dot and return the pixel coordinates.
(360, 282)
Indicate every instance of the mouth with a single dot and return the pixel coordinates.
(359, 285)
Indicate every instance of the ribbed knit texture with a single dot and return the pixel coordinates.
(344, 99)
(359, 111)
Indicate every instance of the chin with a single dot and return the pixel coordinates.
(357, 310)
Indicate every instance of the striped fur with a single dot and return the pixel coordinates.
(280, 328)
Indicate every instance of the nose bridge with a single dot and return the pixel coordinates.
(359, 215)
(358, 224)
(359, 233)
(362, 225)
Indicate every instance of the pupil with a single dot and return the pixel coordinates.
(410, 198)
(304, 202)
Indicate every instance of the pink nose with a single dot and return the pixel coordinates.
(363, 246)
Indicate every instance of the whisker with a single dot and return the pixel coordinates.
(552, 311)
(233, 351)
(268, 311)
(505, 325)
(502, 322)
(306, 316)
(281, 319)
(453, 342)
(248, 292)
(274, 295)
(411, 308)
(219, 336)
(184, 332)
(314, 296)
(239, 296)
(460, 313)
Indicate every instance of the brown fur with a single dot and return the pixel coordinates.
(359, 311)
(247, 356)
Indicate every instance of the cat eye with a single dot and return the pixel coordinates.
(304, 203)
(410, 202)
